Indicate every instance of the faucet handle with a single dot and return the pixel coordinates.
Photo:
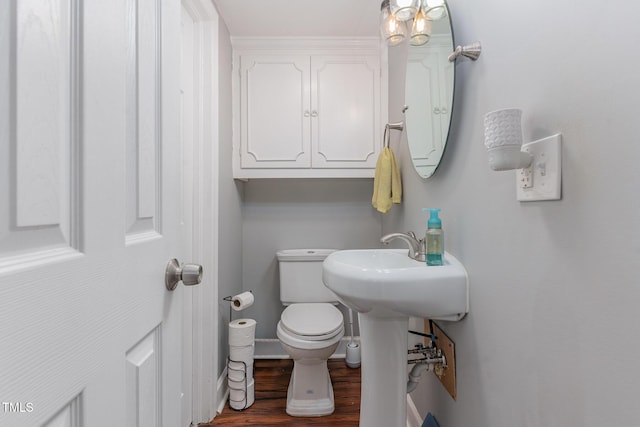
(413, 235)
(421, 252)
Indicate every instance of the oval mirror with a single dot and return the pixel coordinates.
(429, 89)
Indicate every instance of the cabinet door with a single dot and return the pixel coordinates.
(345, 111)
(274, 117)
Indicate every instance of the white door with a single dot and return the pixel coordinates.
(199, 130)
(187, 136)
(89, 213)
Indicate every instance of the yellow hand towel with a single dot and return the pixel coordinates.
(387, 187)
(396, 182)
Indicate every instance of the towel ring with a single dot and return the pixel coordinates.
(391, 126)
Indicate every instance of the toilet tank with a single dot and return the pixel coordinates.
(301, 276)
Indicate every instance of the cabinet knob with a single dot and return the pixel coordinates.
(436, 111)
(444, 111)
(306, 113)
(314, 113)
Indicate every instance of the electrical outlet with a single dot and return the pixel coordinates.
(543, 179)
(447, 374)
(525, 178)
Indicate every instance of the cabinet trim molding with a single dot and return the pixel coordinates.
(307, 43)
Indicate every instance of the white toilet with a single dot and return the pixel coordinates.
(309, 330)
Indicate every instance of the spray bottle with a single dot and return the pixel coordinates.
(434, 238)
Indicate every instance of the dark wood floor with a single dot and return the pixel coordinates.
(272, 380)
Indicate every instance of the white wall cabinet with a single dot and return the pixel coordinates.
(307, 111)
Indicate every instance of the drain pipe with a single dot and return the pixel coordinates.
(415, 374)
(420, 366)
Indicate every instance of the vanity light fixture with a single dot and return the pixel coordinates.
(538, 163)
(392, 30)
(404, 10)
(420, 30)
(434, 9)
(394, 14)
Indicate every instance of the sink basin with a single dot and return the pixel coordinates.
(389, 283)
(386, 287)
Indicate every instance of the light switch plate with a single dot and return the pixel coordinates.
(543, 179)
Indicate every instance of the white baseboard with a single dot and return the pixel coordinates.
(413, 416)
(270, 348)
(222, 391)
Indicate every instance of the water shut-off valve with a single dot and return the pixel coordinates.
(432, 359)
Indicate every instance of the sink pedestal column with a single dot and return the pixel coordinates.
(384, 342)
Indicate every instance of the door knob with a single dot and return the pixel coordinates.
(189, 274)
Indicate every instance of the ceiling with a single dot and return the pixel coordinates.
(301, 18)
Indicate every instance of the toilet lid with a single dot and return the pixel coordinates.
(313, 320)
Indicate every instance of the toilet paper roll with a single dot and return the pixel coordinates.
(239, 383)
(242, 332)
(238, 398)
(242, 301)
(242, 353)
(238, 376)
(238, 395)
(236, 371)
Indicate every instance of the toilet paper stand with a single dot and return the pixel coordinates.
(229, 360)
(246, 382)
(230, 299)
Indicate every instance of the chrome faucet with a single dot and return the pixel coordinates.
(417, 248)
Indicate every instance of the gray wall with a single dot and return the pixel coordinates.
(289, 214)
(551, 339)
(552, 336)
(229, 202)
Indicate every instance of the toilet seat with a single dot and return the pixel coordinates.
(312, 321)
(311, 326)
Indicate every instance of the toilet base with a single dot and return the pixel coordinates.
(310, 392)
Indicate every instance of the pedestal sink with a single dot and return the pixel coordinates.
(386, 287)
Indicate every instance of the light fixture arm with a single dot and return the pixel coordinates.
(471, 51)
